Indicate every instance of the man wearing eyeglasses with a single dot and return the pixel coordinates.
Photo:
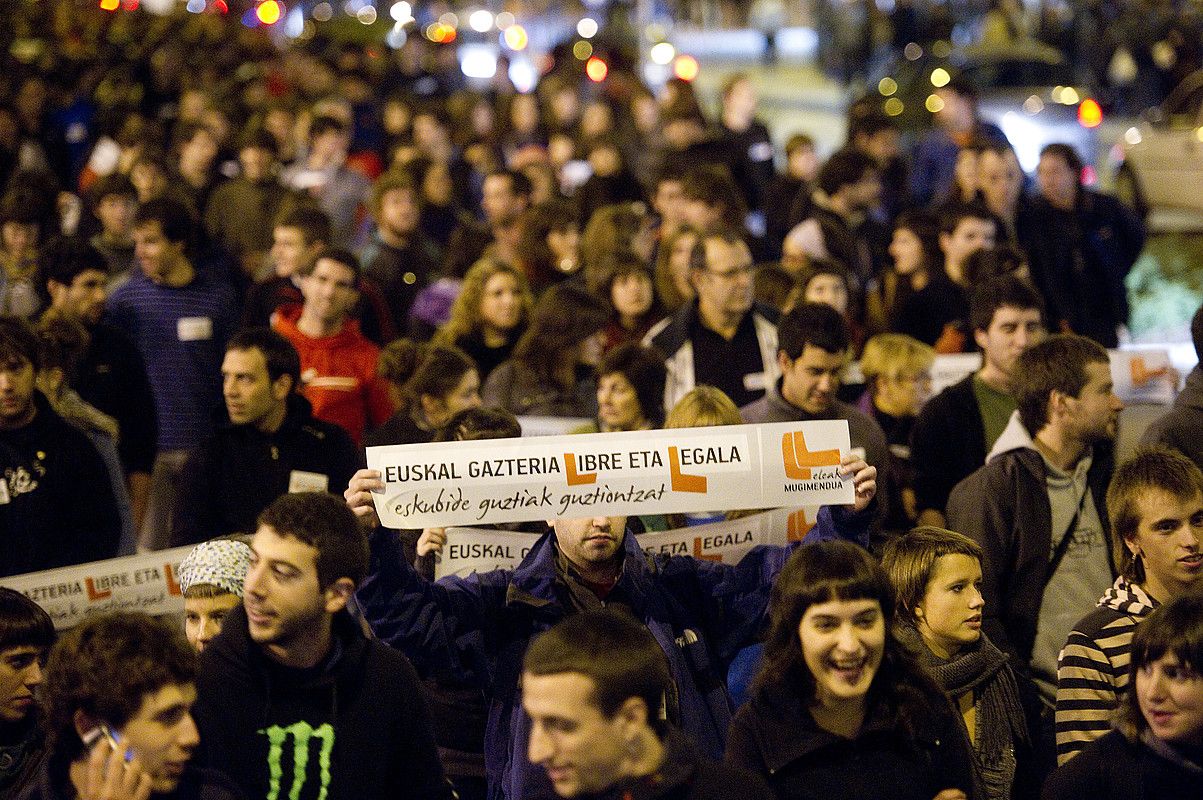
(722, 338)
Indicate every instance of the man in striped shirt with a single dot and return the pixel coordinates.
(1155, 502)
(179, 310)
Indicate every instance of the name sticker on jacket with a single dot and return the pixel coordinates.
(194, 329)
(301, 481)
(756, 381)
(643, 472)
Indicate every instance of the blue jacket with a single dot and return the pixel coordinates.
(476, 629)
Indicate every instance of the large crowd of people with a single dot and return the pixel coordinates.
(227, 268)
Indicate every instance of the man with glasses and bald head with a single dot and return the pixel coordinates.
(722, 338)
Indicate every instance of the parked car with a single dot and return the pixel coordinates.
(1161, 157)
(1027, 89)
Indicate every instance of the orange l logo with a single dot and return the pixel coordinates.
(1141, 374)
(575, 478)
(797, 526)
(798, 460)
(95, 595)
(680, 481)
(697, 550)
(173, 586)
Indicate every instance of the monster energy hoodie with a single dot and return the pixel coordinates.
(354, 727)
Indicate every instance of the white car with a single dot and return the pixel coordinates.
(1030, 91)
(1161, 157)
(1027, 89)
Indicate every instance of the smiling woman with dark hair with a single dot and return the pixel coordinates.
(840, 710)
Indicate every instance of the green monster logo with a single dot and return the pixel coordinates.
(302, 733)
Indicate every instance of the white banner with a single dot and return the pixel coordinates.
(644, 472)
(1144, 376)
(949, 368)
(552, 426)
(1140, 374)
(469, 550)
(145, 582)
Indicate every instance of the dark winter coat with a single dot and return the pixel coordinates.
(1180, 427)
(58, 507)
(240, 470)
(1079, 260)
(776, 737)
(476, 629)
(1004, 507)
(685, 775)
(1114, 768)
(948, 443)
(362, 709)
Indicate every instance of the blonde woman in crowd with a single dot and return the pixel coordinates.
(489, 315)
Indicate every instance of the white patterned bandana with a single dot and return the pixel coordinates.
(223, 563)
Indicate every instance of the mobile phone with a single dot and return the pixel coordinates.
(103, 731)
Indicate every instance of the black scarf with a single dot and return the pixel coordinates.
(981, 669)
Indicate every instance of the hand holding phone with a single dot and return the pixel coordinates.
(102, 732)
(113, 773)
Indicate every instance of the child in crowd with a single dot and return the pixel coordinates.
(211, 578)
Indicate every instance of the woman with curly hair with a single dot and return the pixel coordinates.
(489, 314)
(615, 231)
(840, 710)
(551, 371)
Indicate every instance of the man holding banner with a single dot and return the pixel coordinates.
(477, 628)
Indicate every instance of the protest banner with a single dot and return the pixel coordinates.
(1140, 374)
(641, 472)
(949, 368)
(1144, 376)
(145, 582)
(469, 550)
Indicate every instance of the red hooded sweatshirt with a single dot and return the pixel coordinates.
(338, 374)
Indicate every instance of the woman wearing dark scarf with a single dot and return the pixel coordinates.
(938, 575)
